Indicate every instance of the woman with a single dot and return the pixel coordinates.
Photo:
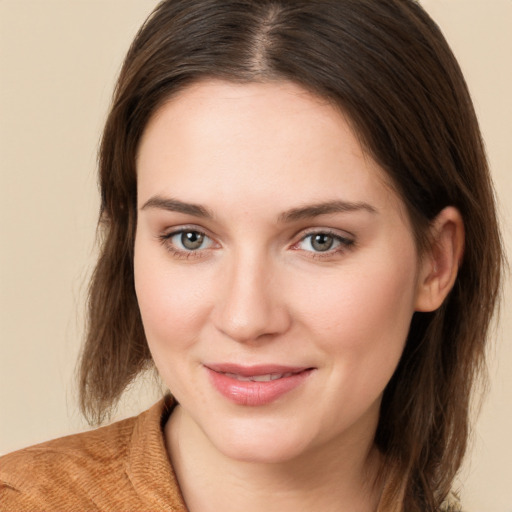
(300, 234)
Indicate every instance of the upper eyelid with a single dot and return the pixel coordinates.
(170, 231)
(342, 234)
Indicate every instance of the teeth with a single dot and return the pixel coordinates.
(258, 378)
(265, 378)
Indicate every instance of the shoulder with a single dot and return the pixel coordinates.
(110, 468)
(69, 465)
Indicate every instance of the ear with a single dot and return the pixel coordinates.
(440, 263)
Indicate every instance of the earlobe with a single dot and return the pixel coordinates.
(440, 263)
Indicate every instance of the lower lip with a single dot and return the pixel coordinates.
(255, 393)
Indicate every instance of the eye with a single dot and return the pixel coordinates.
(190, 240)
(323, 242)
(187, 240)
(320, 241)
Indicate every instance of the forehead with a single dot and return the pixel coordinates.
(254, 138)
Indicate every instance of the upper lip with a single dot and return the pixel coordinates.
(255, 370)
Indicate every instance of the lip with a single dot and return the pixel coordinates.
(223, 376)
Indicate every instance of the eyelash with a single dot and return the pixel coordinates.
(345, 244)
(183, 254)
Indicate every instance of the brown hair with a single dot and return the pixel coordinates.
(388, 67)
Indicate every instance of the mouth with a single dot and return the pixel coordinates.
(256, 385)
(258, 378)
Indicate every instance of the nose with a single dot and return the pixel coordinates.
(250, 305)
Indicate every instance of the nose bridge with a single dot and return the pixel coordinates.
(250, 305)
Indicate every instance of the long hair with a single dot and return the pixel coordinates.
(387, 66)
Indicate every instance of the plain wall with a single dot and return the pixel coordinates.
(58, 63)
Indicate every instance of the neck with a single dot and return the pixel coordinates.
(336, 476)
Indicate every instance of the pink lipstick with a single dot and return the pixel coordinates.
(255, 385)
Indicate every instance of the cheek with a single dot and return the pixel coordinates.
(173, 310)
(171, 301)
(365, 308)
(360, 321)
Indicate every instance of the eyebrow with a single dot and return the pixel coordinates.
(173, 205)
(325, 208)
(295, 214)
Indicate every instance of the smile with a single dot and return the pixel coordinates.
(257, 385)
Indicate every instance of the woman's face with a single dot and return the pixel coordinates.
(275, 269)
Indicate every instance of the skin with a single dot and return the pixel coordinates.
(258, 292)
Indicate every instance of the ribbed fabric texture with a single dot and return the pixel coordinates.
(121, 467)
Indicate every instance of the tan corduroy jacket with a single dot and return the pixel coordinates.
(123, 467)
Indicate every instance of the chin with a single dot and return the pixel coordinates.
(261, 453)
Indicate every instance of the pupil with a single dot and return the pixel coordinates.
(322, 242)
(192, 240)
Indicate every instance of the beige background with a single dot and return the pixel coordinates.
(58, 62)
